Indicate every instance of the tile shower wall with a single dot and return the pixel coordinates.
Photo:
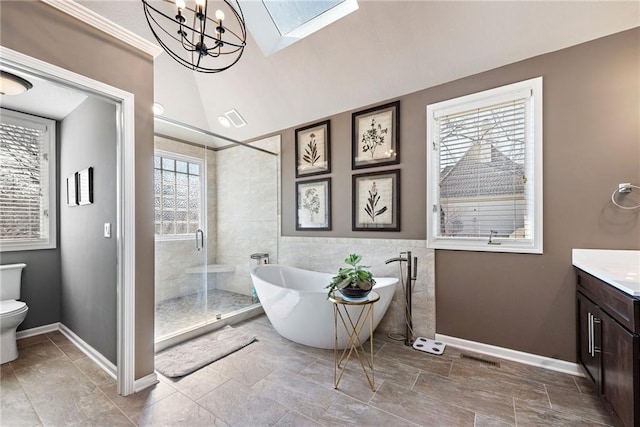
(328, 254)
(174, 257)
(247, 210)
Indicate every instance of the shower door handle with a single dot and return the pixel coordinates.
(199, 239)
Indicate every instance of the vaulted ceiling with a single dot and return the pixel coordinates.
(383, 50)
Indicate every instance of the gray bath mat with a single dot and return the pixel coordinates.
(192, 355)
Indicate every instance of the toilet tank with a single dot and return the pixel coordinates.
(10, 277)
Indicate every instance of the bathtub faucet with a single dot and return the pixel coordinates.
(411, 276)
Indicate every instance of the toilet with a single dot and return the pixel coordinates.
(12, 311)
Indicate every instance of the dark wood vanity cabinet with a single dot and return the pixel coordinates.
(608, 339)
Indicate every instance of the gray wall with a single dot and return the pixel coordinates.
(88, 260)
(591, 143)
(42, 32)
(40, 284)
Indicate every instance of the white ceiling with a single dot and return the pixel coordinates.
(44, 99)
(381, 51)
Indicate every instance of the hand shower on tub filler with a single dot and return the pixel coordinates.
(420, 343)
(261, 258)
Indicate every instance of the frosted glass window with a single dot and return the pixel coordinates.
(179, 188)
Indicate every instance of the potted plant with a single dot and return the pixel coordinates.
(354, 281)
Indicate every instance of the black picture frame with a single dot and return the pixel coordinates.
(376, 201)
(313, 205)
(376, 143)
(313, 149)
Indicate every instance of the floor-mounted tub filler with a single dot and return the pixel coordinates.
(295, 301)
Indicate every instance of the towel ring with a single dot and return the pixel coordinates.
(619, 190)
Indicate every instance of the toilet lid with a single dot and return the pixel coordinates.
(10, 306)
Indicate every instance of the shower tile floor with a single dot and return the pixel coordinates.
(185, 312)
(277, 382)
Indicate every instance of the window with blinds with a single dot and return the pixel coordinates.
(178, 192)
(27, 182)
(485, 170)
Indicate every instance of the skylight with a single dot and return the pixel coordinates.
(276, 24)
(289, 15)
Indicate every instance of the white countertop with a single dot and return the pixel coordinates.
(620, 269)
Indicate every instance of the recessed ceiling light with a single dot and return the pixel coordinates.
(11, 84)
(158, 109)
(224, 121)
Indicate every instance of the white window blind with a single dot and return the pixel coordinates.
(27, 182)
(483, 172)
(178, 192)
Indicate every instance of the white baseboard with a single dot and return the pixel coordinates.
(513, 355)
(90, 352)
(144, 382)
(44, 329)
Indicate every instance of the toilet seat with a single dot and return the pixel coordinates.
(12, 307)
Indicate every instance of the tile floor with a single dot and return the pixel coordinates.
(276, 382)
(186, 312)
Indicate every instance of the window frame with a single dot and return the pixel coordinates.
(533, 166)
(50, 200)
(203, 191)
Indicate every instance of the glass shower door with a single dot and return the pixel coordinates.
(181, 241)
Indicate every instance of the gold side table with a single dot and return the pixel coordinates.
(353, 330)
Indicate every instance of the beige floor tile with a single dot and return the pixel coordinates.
(348, 411)
(475, 375)
(134, 404)
(294, 392)
(420, 408)
(238, 405)
(15, 407)
(71, 406)
(586, 406)
(177, 410)
(58, 338)
(534, 416)
(198, 383)
(58, 375)
(417, 359)
(36, 353)
(294, 419)
(290, 360)
(483, 402)
(26, 342)
(353, 382)
(244, 368)
(485, 421)
(96, 374)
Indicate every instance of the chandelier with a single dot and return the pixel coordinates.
(208, 37)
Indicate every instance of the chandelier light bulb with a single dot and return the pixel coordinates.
(219, 15)
(201, 3)
(180, 4)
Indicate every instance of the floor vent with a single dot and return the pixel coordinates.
(480, 359)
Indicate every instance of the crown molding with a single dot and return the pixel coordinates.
(88, 16)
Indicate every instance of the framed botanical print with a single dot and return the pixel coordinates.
(313, 202)
(313, 149)
(72, 189)
(375, 139)
(376, 201)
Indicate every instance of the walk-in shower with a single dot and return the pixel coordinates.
(214, 208)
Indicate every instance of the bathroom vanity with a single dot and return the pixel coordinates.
(608, 327)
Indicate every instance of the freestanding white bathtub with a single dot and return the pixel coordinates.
(296, 304)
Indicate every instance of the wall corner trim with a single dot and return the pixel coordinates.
(88, 16)
(146, 381)
(105, 364)
(513, 355)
